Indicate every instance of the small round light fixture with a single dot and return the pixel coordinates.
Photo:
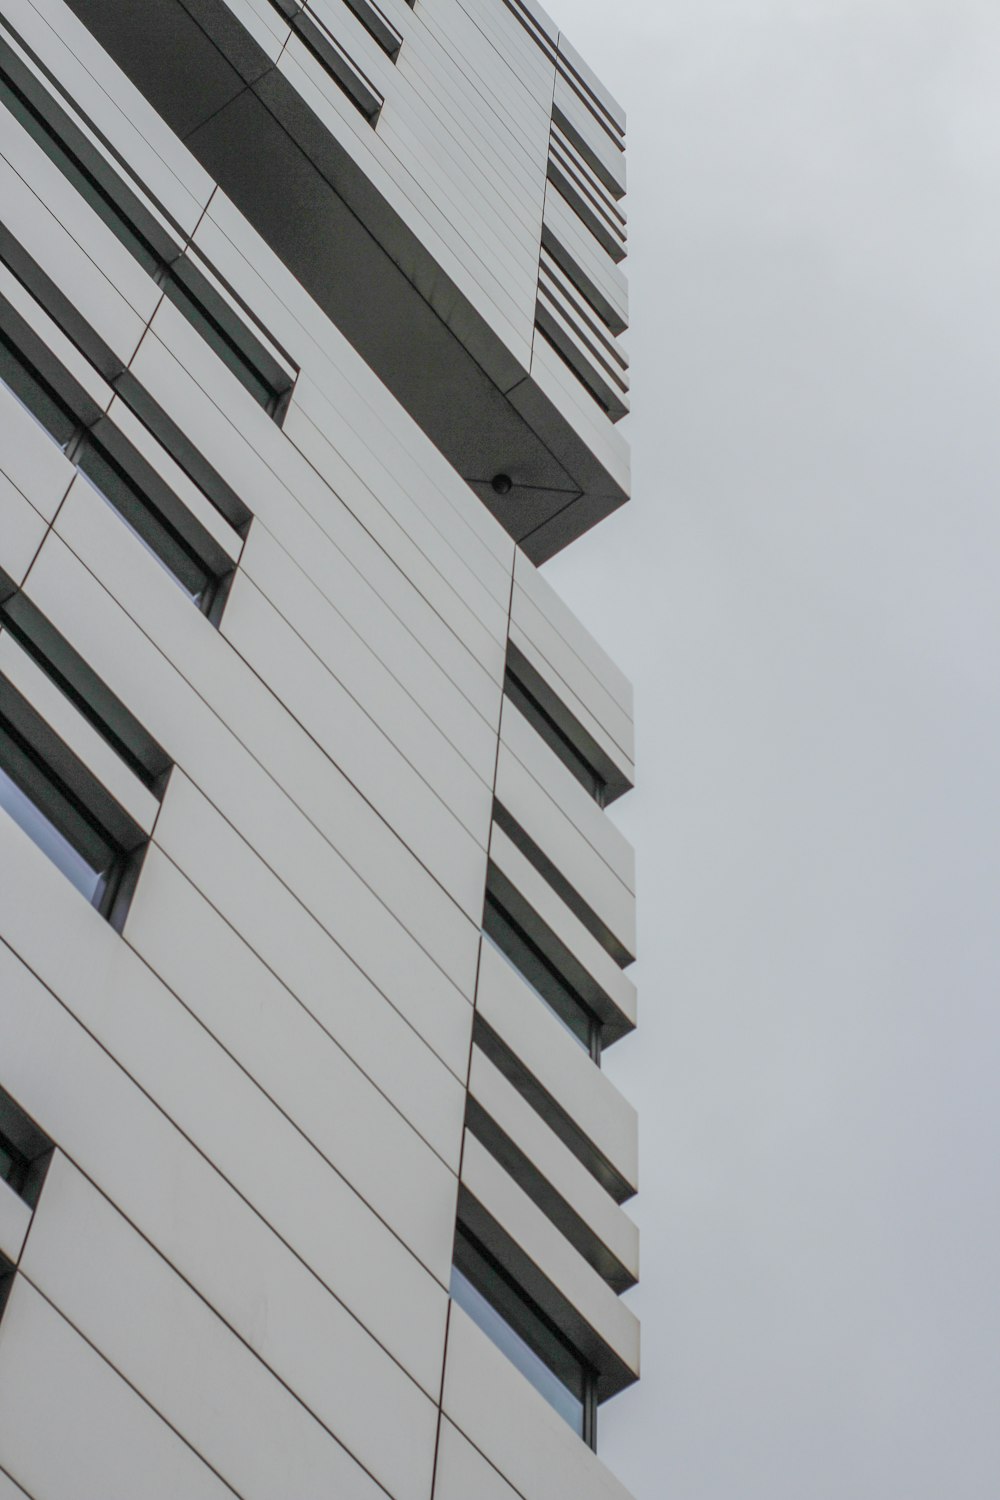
(502, 484)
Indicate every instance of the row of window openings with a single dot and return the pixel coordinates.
(529, 1339)
(190, 291)
(204, 583)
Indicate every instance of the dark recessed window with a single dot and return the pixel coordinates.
(73, 169)
(90, 695)
(24, 1151)
(158, 536)
(52, 816)
(13, 1164)
(529, 1339)
(35, 394)
(544, 978)
(222, 329)
(555, 737)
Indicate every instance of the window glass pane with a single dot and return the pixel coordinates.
(554, 737)
(545, 1380)
(87, 868)
(7, 1165)
(28, 388)
(522, 955)
(142, 520)
(225, 347)
(76, 174)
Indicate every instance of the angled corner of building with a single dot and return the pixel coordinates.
(313, 927)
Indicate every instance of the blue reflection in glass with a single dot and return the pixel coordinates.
(43, 832)
(580, 1041)
(545, 1381)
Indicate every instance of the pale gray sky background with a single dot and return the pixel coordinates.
(806, 590)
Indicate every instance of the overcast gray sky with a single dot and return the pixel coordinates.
(806, 590)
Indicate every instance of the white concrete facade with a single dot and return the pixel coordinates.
(312, 924)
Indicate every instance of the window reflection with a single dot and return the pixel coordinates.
(42, 810)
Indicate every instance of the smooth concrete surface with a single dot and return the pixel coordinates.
(111, 1442)
(15, 1217)
(514, 1427)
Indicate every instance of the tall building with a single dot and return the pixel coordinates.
(313, 926)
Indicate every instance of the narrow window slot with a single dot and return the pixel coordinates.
(36, 396)
(86, 691)
(342, 69)
(61, 155)
(174, 555)
(155, 250)
(544, 1195)
(542, 976)
(25, 1151)
(52, 817)
(65, 811)
(554, 736)
(542, 1102)
(529, 1339)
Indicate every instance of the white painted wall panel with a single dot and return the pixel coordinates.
(502, 1415)
(567, 795)
(226, 1251)
(80, 222)
(562, 842)
(15, 1216)
(563, 1069)
(109, 1282)
(285, 838)
(368, 647)
(299, 1065)
(593, 663)
(65, 719)
(435, 803)
(557, 1164)
(60, 257)
(509, 1206)
(276, 494)
(29, 459)
(21, 531)
(596, 264)
(70, 1426)
(11, 1491)
(463, 1473)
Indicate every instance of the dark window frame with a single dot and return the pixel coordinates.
(572, 757)
(70, 802)
(552, 987)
